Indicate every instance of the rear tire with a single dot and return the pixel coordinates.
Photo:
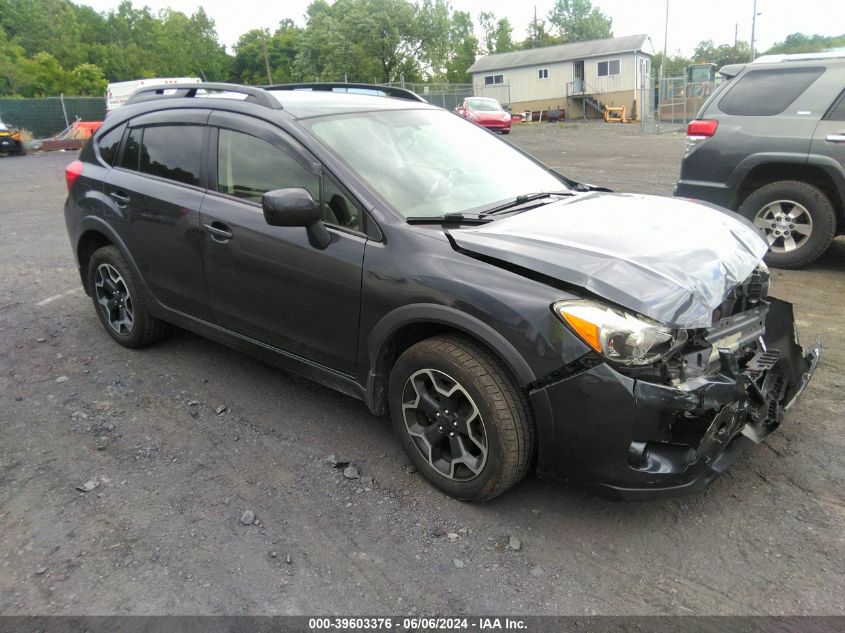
(119, 302)
(461, 418)
(779, 209)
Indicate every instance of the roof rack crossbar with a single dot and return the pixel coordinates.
(261, 97)
(390, 91)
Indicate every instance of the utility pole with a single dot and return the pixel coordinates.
(753, 28)
(267, 61)
(736, 40)
(665, 42)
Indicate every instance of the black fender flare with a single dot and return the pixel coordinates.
(459, 320)
(445, 315)
(96, 224)
(825, 163)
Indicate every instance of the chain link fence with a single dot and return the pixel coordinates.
(674, 102)
(450, 96)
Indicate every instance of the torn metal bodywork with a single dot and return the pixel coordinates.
(638, 437)
(610, 245)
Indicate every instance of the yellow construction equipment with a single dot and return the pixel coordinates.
(615, 114)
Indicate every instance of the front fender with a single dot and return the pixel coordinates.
(445, 315)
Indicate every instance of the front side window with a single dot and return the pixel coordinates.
(768, 92)
(248, 167)
(837, 112)
(172, 152)
(427, 163)
(609, 67)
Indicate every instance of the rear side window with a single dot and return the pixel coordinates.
(109, 144)
(132, 150)
(172, 152)
(768, 92)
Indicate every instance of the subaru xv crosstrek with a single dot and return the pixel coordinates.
(770, 145)
(506, 319)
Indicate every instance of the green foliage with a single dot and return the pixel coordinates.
(675, 65)
(708, 52)
(463, 45)
(800, 43)
(579, 21)
(50, 47)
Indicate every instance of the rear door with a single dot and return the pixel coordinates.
(829, 137)
(268, 282)
(157, 188)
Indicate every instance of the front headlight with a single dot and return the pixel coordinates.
(618, 335)
(472, 115)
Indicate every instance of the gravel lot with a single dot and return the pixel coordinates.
(162, 533)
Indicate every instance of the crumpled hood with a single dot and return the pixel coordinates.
(669, 259)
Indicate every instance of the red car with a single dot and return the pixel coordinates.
(486, 112)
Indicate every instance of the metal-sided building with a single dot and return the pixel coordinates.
(579, 78)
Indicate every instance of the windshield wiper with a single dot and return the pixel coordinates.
(449, 218)
(511, 205)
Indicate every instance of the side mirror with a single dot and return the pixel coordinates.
(295, 207)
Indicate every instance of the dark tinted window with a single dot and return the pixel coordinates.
(172, 152)
(109, 144)
(247, 167)
(768, 92)
(338, 206)
(132, 149)
(838, 111)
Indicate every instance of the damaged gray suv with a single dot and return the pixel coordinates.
(507, 318)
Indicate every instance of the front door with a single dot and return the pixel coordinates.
(268, 282)
(578, 74)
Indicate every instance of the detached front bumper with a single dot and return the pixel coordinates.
(636, 439)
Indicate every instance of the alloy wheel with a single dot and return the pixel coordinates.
(787, 224)
(444, 424)
(114, 299)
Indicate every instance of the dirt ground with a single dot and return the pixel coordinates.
(161, 534)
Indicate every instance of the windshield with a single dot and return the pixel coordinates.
(484, 105)
(429, 163)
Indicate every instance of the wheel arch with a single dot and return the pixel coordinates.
(819, 171)
(406, 326)
(95, 233)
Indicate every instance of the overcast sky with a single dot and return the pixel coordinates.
(689, 21)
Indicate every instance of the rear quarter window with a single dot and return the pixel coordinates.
(768, 92)
(109, 144)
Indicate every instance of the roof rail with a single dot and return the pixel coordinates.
(259, 96)
(799, 57)
(387, 91)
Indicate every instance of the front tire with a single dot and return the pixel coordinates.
(461, 418)
(119, 302)
(798, 220)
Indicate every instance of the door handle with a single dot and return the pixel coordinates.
(835, 138)
(219, 231)
(121, 198)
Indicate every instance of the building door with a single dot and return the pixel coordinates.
(578, 75)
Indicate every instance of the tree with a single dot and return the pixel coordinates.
(676, 65)
(87, 80)
(497, 34)
(800, 43)
(579, 21)
(721, 55)
(463, 45)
